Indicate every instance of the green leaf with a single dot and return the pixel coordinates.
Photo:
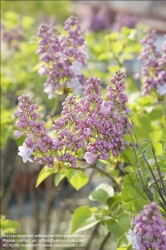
(113, 68)
(27, 22)
(163, 136)
(156, 196)
(44, 173)
(128, 247)
(130, 170)
(157, 148)
(155, 135)
(59, 177)
(104, 56)
(132, 189)
(126, 31)
(118, 46)
(33, 39)
(142, 125)
(112, 36)
(132, 49)
(83, 219)
(132, 35)
(119, 226)
(77, 179)
(130, 155)
(114, 202)
(98, 48)
(2, 217)
(11, 15)
(155, 114)
(135, 206)
(8, 226)
(37, 66)
(126, 57)
(123, 241)
(102, 193)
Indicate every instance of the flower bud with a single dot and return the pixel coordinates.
(17, 134)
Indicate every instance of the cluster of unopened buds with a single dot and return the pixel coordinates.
(154, 69)
(95, 125)
(63, 57)
(149, 229)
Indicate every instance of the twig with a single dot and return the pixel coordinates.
(104, 241)
(53, 111)
(139, 172)
(158, 168)
(116, 185)
(92, 236)
(147, 163)
(81, 168)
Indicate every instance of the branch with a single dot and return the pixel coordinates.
(92, 236)
(158, 168)
(139, 172)
(147, 163)
(115, 184)
(104, 241)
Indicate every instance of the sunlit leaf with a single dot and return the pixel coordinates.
(102, 193)
(83, 219)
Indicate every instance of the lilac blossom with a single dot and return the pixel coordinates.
(92, 124)
(153, 72)
(125, 19)
(99, 20)
(13, 37)
(149, 229)
(106, 122)
(63, 57)
(67, 131)
(132, 237)
(90, 157)
(25, 153)
(37, 139)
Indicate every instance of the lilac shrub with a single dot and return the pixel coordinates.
(149, 229)
(93, 124)
(154, 69)
(63, 56)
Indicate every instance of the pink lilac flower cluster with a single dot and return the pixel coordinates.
(94, 123)
(107, 121)
(154, 69)
(149, 229)
(37, 139)
(67, 128)
(99, 21)
(13, 37)
(63, 56)
(125, 19)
